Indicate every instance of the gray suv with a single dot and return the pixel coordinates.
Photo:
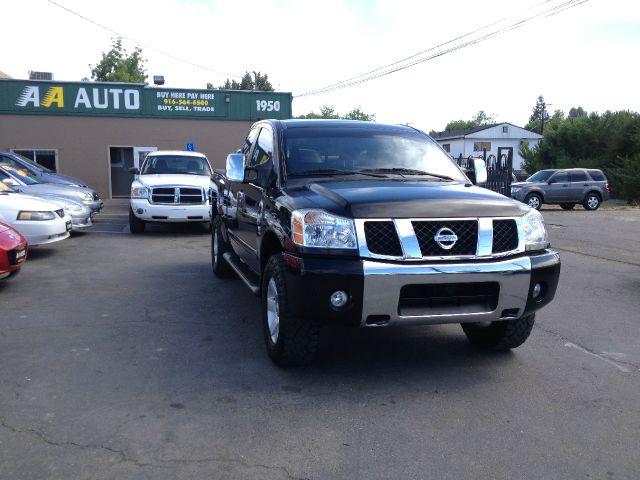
(565, 187)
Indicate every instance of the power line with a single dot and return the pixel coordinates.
(147, 46)
(372, 75)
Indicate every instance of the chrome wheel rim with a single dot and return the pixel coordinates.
(273, 310)
(592, 202)
(534, 202)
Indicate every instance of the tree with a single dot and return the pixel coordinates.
(480, 119)
(248, 82)
(358, 114)
(538, 109)
(577, 112)
(117, 66)
(328, 112)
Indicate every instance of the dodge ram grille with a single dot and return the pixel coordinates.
(177, 195)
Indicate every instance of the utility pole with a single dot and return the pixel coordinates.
(542, 119)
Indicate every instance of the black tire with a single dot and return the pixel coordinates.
(219, 265)
(135, 224)
(567, 206)
(500, 335)
(296, 340)
(533, 200)
(591, 201)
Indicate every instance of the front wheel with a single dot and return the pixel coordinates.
(591, 201)
(290, 340)
(135, 224)
(567, 206)
(500, 335)
(534, 201)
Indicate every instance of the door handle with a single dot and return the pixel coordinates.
(585, 185)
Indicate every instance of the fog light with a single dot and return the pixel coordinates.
(140, 211)
(537, 290)
(339, 299)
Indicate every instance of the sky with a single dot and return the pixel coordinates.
(585, 56)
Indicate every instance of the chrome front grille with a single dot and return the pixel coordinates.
(177, 195)
(439, 239)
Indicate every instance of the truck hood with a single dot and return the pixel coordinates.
(161, 179)
(405, 199)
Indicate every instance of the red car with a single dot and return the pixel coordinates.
(13, 250)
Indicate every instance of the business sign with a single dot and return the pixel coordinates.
(133, 100)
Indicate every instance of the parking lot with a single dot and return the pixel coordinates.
(121, 356)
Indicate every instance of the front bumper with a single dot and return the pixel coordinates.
(170, 213)
(392, 293)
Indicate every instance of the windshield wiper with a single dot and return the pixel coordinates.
(408, 171)
(334, 171)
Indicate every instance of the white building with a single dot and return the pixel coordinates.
(499, 139)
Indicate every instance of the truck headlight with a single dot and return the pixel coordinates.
(535, 233)
(139, 192)
(38, 216)
(317, 228)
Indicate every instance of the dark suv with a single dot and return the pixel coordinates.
(565, 187)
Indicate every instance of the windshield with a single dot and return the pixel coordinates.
(176, 164)
(365, 150)
(541, 176)
(25, 176)
(32, 163)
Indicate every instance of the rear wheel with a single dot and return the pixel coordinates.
(534, 201)
(218, 247)
(500, 335)
(591, 201)
(135, 224)
(290, 340)
(567, 206)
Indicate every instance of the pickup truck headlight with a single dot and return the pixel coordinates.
(37, 216)
(317, 228)
(535, 233)
(139, 192)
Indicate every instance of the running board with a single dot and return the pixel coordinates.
(243, 272)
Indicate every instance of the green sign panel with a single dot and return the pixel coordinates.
(132, 100)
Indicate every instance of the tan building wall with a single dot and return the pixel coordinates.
(82, 143)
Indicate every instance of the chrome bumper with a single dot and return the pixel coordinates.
(383, 283)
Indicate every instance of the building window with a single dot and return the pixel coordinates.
(481, 146)
(505, 129)
(447, 147)
(46, 158)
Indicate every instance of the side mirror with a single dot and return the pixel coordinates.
(134, 170)
(480, 169)
(235, 167)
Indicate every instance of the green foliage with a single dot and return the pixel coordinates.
(624, 178)
(328, 112)
(609, 141)
(538, 109)
(257, 81)
(480, 119)
(358, 114)
(117, 66)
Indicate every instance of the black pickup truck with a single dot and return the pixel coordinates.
(371, 225)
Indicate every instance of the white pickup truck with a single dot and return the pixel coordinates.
(171, 186)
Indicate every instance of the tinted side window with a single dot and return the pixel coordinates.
(560, 177)
(264, 149)
(249, 140)
(578, 177)
(597, 175)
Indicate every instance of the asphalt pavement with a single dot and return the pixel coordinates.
(121, 357)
